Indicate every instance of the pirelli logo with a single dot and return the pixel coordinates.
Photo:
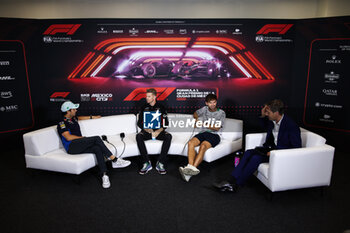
(279, 28)
(140, 93)
(68, 29)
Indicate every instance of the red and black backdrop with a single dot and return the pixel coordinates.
(107, 64)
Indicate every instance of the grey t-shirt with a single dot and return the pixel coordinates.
(205, 114)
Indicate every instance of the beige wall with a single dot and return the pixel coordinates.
(174, 8)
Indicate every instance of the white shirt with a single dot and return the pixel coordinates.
(276, 129)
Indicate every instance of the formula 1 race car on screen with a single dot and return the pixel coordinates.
(202, 69)
(173, 68)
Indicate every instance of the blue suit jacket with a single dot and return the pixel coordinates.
(288, 135)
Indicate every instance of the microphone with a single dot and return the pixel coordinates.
(104, 138)
(122, 136)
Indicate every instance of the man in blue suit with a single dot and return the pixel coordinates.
(282, 133)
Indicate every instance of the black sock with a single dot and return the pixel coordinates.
(115, 159)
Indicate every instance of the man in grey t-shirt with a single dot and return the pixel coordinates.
(213, 119)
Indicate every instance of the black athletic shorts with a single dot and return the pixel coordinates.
(212, 138)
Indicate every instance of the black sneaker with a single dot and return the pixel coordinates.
(225, 186)
(160, 168)
(146, 167)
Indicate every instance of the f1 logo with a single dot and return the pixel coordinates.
(280, 28)
(69, 29)
(59, 94)
(151, 120)
(140, 93)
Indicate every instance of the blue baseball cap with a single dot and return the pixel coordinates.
(68, 105)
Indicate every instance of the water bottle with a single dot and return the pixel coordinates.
(238, 157)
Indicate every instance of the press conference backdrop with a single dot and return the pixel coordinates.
(107, 65)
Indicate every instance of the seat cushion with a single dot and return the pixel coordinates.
(264, 170)
(225, 147)
(179, 142)
(153, 146)
(60, 161)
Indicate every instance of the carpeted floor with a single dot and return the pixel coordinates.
(49, 202)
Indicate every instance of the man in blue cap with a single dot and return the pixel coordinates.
(74, 143)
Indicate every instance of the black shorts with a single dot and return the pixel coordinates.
(212, 138)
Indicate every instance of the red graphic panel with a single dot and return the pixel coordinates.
(174, 57)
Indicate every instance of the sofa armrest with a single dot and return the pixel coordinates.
(233, 129)
(301, 167)
(41, 141)
(29, 147)
(254, 139)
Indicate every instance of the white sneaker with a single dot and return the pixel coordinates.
(120, 163)
(105, 182)
(184, 177)
(191, 170)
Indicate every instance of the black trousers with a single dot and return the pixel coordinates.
(91, 145)
(163, 136)
(249, 163)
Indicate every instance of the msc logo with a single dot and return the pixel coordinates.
(59, 94)
(140, 93)
(68, 29)
(9, 108)
(280, 28)
(151, 120)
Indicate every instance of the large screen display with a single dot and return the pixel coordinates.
(107, 66)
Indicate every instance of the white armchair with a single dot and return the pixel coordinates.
(309, 166)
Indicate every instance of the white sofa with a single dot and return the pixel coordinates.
(309, 166)
(44, 150)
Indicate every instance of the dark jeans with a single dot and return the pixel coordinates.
(248, 165)
(91, 145)
(163, 136)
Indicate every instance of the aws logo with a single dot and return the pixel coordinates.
(68, 29)
(281, 29)
(140, 93)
